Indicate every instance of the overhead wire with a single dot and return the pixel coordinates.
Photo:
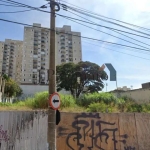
(119, 51)
(83, 9)
(128, 49)
(77, 19)
(87, 37)
(111, 29)
(108, 33)
(89, 15)
(16, 11)
(78, 35)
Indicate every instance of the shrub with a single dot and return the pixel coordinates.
(40, 100)
(98, 107)
(87, 99)
(67, 101)
(134, 108)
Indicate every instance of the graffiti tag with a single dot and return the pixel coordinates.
(88, 128)
(3, 135)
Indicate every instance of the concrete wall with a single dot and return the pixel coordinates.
(139, 95)
(99, 131)
(30, 90)
(23, 130)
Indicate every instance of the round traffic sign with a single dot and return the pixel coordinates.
(55, 101)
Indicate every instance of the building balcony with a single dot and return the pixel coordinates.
(70, 59)
(11, 60)
(62, 47)
(62, 56)
(71, 56)
(42, 59)
(42, 55)
(34, 67)
(42, 45)
(62, 40)
(35, 63)
(62, 52)
(62, 60)
(35, 56)
(42, 50)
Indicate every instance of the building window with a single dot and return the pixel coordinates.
(75, 59)
(24, 80)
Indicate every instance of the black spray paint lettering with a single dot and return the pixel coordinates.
(82, 125)
(3, 135)
(129, 148)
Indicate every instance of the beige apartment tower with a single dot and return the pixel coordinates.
(1, 55)
(68, 46)
(11, 58)
(36, 46)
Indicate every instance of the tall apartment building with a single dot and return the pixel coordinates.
(35, 55)
(68, 46)
(11, 61)
(36, 47)
(1, 55)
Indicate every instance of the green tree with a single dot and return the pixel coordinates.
(11, 87)
(84, 77)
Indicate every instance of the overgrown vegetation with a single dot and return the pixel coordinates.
(96, 102)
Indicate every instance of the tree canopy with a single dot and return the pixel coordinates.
(11, 87)
(79, 78)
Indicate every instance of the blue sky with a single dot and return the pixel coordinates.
(131, 71)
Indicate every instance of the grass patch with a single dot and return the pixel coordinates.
(96, 102)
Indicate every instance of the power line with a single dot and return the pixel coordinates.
(113, 30)
(82, 9)
(9, 5)
(77, 35)
(17, 11)
(8, 2)
(89, 15)
(75, 18)
(119, 51)
(110, 34)
(132, 50)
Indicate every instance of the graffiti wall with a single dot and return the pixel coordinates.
(23, 130)
(98, 131)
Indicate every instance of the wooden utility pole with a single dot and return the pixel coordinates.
(52, 80)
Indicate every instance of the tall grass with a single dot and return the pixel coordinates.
(96, 102)
(41, 100)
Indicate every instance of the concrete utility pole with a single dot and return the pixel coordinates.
(52, 82)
